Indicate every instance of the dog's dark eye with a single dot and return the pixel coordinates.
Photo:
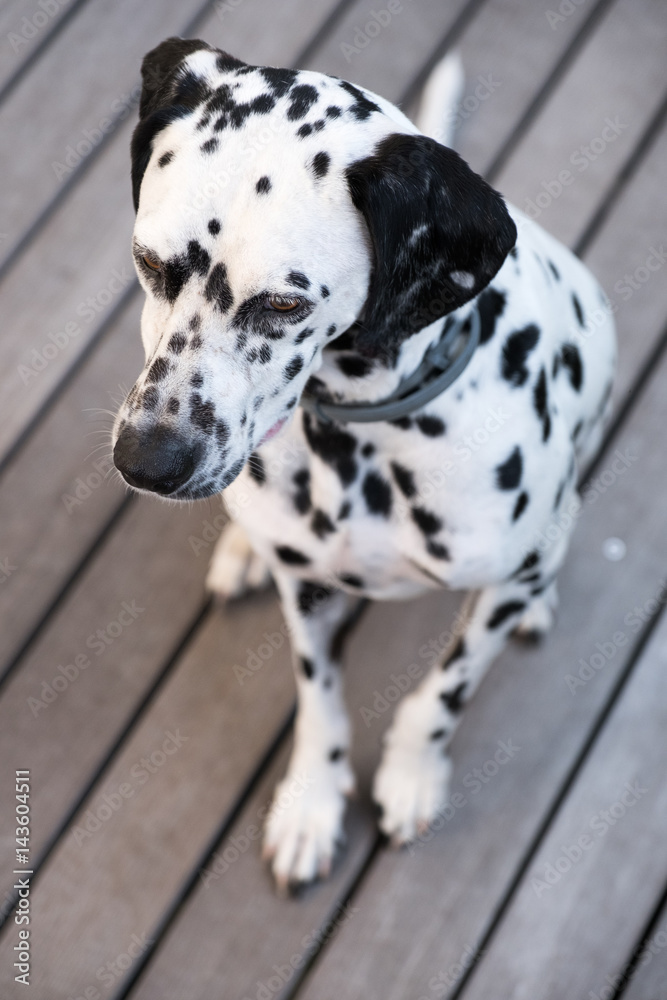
(283, 303)
(152, 262)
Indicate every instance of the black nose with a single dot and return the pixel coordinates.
(156, 459)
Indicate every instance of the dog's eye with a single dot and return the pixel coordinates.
(152, 262)
(284, 303)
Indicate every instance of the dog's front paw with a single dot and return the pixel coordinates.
(235, 568)
(304, 826)
(411, 788)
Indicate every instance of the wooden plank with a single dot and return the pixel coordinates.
(25, 25)
(586, 896)
(648, 980)
(62, 488)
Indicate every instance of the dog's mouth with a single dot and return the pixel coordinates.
(275, 429)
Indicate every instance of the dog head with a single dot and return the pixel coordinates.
(275, 209)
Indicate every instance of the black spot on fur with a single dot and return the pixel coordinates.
(202, 414)
(541, 402)
(178, 270)
(158, 370)
(196, 342)
(333, 111)
(331, 330)
(324, 291)
(554, 270)
(437, 550)
(197, 380)
(321, 524)
(438, 734)
(265, 353)
(490, 306)
(457, 653)
(555, 368)
(453, 700)
(520, 505)
(336, 754)
(307, 667)
(214, 226)
(293, 368)
(304, 130)
(354, 365)
(431, 426)
(427, 522)
(578, 311)
(221, 432)
(299, 279)
(302, 98)
(302, 500)
(572, 361)
(503, 612)
(368, 450)
(263, 185)
(150, 398)
(217, 288)
(352, 580)
(362, 107)
(508, 475)
(279, 80)
(405, 423)
(307, 331)
(312, 595)
(256, 468)
(195, 322)
(333, 445)
(173, 406)
(290, 556)
(531, 560)
(321, 163)
(377, 493)
(516, 349)
(165, 159)
(404, 480)
(209, 146)
(345, 509)
(577, 430)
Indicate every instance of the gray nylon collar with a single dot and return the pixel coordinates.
(449, 356)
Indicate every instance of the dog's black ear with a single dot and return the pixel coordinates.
(169, 91)
(439, 234)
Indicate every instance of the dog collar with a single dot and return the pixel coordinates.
(442, 364)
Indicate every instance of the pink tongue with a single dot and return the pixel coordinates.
(272, 431)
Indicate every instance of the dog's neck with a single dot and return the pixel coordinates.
(377, 380)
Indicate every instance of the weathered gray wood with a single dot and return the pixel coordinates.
(649, 981)
(62, 486)
(24, 26)
(597, 875)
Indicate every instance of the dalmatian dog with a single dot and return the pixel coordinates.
(304, 249)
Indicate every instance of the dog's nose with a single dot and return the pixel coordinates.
(156, 459)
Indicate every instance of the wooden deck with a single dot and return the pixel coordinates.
(551, 880)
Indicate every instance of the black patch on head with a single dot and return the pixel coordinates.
(354, 365)
(377, 493)
(197, 380)
(263, 185)
(279, 80)
(351, 580)
(490, 306)
(217, 288)
(321, 524)
(177, 342)
(158, 370)
(299, 279)
(321, 163)
(541, 402)
(307, 332)
(427, 522)
(178, 270)
(503, 612)
(516, 349)
(290, 556)
(362, 107)
(304, 130)
(555, 368)
(554, 270)
(165, 159)
(404, 480)
(578, 311)
(331, 331)
(531, 560)
(307, 667)
(256, 468)
(221, 432)
(214, 226)
(508, 475)
(345, 509)
(196, 342)
(202, 414)
(311, 595)
(293, 368)
(453, 700)
(520, 505)
(150, 398)
(195, 322)
(336, 754)
(572, 361)
(173, 406)
(324, 292)
(577, 430)
(457, 653)
(333, 445)
(265, 353)
(302, 501)
(333, 111)
(405, 423)
(437, 550)
(302, 98)
(438, 734)
(368, 450)
(431, 426)
(209, 146)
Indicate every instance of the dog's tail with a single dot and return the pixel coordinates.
(440, 99)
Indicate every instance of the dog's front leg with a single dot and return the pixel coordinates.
(305, 822)
(411, 785)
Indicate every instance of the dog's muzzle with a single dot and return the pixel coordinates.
(155, 459)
